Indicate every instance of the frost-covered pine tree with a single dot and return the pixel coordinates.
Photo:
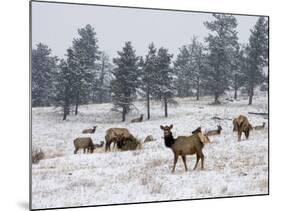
(102, 89)
(65, 79)
(221, 40)
(126, 79)
(43, 65)
(196, 64)
(257, 56)
(182, 72)
(163, 88)
(87, 53)
(149, 68)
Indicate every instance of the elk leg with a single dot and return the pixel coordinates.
(184, 162)
(197, 160)
(75, 151)
(202, 160)
(239, 135)
(247, 134)
(175, 162)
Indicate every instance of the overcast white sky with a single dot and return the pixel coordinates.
(56, 25)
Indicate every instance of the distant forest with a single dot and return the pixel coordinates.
(88, 75)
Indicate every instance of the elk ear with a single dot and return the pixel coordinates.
(161, 127)
(171, 126)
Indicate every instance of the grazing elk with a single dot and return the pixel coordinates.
(214, 132)
(197, 130)
(260, 127)
(99, 145)
(91, 130)
(185, 145)
(149, 138)
(84, 143)
(114, 135)
(138, 119)
(241, 124)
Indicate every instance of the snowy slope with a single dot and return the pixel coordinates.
(231, 167)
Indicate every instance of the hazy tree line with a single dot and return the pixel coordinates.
(88, 75)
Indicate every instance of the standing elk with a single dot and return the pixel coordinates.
(241, 124)
(84, 143)
(214, 132)
(114, 135)
(260, 127)
(185, 145)
(138, 119)
(91, 130)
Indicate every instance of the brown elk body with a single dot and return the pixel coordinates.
(138, 119)
(214, 132)
(92, 130)
(84, 143)
(241, 125)
(113, 135)
(260, 127)
(185, 145)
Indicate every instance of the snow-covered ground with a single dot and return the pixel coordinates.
(231, 168)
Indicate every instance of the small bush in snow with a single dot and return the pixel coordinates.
(37, 155)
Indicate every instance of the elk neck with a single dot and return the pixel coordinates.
(169, 140)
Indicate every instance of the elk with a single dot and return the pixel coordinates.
(99, 145)
(149, 138)
(260, 127)
(241, 124)
(197, 130)
(84, 143)
(91, 130)
(185, 145)
(138, 119)
(114, 135)
(214, 132)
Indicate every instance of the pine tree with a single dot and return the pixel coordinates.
(163, 88)
(182, 72)
(197, 64)
(102, 90)
(65, 83)
(149, 67)
(86, 52)
(43, 65)
(126, 79)
(257, 56)
(221, 43)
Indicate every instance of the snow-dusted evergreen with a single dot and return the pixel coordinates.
(257, 56)
(43, 66)
(222, 41)
(86, 52)
(126, 80)
(148, 75)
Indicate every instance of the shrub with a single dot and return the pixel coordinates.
(37, 155)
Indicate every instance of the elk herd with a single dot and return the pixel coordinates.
(181, 146)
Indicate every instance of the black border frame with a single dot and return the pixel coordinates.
(144, 8)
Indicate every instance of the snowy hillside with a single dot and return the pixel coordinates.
(231, 168)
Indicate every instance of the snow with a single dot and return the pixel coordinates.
(231, 168)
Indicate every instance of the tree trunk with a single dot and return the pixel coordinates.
(101, 82)
(251, 94)
(124, 114)
(77, 103)
(166, 106)
(198, 89)
(235, 86)
(217, 99)
(148, 103)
